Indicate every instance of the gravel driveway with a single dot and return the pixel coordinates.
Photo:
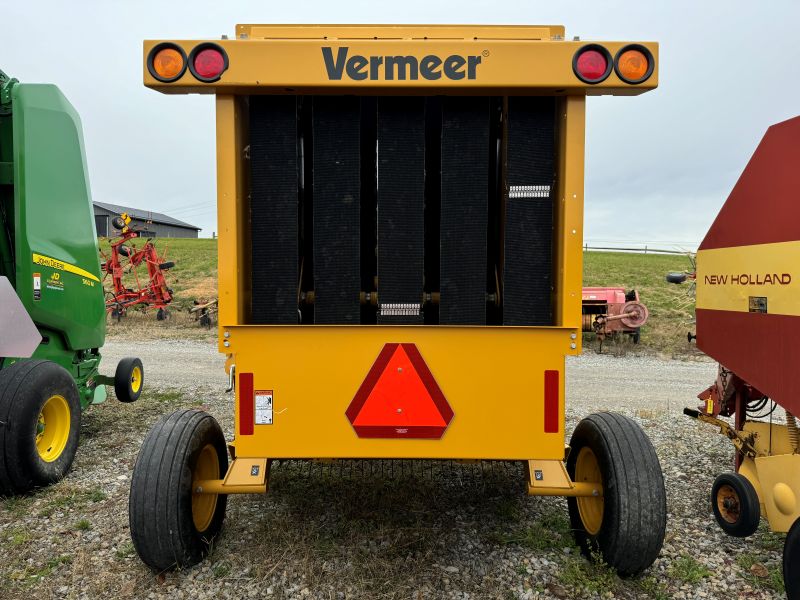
(395, 529)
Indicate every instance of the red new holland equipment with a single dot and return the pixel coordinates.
(748, 318)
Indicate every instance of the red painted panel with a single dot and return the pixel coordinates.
(246, 404)
(551, 412)
(762, 349)
(763, 205)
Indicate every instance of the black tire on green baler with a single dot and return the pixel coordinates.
(634, 518)
(25, 387)
(160, 503)
(124, 387)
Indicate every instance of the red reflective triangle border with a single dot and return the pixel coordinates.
(429, 430)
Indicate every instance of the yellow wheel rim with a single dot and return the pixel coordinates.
(204, 505)
(136, 380)
(52, 428)
(728, 504)
(589, 507)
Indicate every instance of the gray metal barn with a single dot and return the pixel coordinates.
(152, 224)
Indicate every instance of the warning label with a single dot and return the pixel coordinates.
(263, 407)
(37, 286)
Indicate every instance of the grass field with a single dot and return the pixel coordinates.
(195, 272)
(671, 309)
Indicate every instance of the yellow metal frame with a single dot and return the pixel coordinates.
(493, 377)
(513, 59)
(771, 464)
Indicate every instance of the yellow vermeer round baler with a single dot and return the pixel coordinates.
(748, 319)
(400, 263)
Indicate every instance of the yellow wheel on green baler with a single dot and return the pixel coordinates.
(52, 428)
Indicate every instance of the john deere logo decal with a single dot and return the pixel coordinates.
(402, 68)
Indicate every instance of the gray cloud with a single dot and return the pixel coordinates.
(658, 166)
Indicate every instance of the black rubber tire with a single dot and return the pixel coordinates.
(118, 223)
(160, 502)
(749, 507)
(791, 562)
(25, 386)
(166, 265)
(674, 277)
(125, 251)
(634, 517)
(123, 379)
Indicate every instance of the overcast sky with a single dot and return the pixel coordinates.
(658, 168)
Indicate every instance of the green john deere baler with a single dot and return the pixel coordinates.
(52, 309)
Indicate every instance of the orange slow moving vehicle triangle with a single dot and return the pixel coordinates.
(399, 398)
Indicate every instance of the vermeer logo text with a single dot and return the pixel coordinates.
(431, 67)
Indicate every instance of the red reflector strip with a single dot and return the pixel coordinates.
(246, 404)
(551, 401)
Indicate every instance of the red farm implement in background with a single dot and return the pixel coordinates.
(611, 310)
(151, 292)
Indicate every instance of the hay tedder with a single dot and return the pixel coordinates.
(748, 318)
(125, 259)
(401, 216)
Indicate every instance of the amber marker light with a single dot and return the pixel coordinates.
(634, 64)
(166, 62)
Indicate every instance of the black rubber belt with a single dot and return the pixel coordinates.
(528, 265)
(464, 212)
(273, 209)
(337, 209)
(401, 191)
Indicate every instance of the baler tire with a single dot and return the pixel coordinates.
(749, 508)
(26, 460)
(160, 506)
(634, 506)
(165, 266)
(129, 379)
(791, 562)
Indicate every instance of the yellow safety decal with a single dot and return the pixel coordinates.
(53, 263)
(762, 278)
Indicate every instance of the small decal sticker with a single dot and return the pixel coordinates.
(538, 475)
(37, 286)
(54, 282)
(254, 471)
(263, 407)
(758, 304)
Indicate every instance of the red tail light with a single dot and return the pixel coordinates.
(592, 63)
(208, 62)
